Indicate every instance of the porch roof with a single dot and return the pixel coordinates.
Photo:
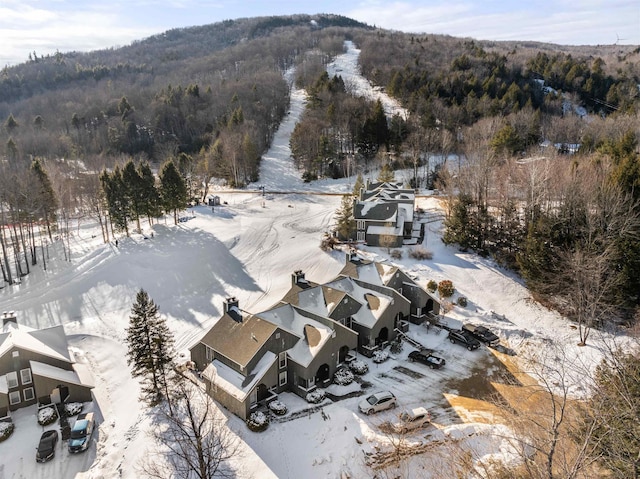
(234, 383)
(71, 377)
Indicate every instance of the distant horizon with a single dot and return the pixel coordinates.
(75, 25)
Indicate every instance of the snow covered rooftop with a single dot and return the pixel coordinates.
(235, 383)
(312, 333)
(376, 303)
(315, 337)
(50, 342)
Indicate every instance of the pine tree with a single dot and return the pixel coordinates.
(117, 202)
(152, 207)
(380, 128)
(149, 348)
(45, 196)
(173, 189)
(346, 223)
(358, 185)
(386, 174)
(11, 123)
(134, 191)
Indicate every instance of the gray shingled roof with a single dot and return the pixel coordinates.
(238, 341)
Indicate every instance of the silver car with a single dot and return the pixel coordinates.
(378, 402)
(413, 419)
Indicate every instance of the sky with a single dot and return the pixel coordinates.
(45, 26)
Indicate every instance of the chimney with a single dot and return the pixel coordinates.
(352, 256)
(231, 308)
(9, 317)
(297, 279)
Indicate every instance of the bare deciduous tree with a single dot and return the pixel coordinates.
(550, 431)
(194, 441)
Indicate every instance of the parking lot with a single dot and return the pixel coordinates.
(466, 373)
(18, 452)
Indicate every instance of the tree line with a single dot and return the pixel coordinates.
(132, 192)
(567, 225)
(338, 130)
(179, 92)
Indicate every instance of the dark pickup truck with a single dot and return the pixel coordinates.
(481, 334)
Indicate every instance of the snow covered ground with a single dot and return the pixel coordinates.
(248, 249)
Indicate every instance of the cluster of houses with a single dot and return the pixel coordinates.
(384, 215)
(247, 359)
(37, 366)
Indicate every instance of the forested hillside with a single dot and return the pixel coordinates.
(543, 138)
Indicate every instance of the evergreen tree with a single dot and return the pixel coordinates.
(11, 123)
(346, 223)
(358, 185)
(152, 207)
(134, 189)
(45, 196)
(458, 224)
(386, 174)
(115, 194)
(12, 151)
(173, 189)
(149, 348)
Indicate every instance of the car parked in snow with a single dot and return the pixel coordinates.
(81, 433)
(413, 419)
(464, 338)
(47, 446)
(481, 333)
(378, 402)
(425, 357)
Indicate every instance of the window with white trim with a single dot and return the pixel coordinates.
(283, 378)
(15, 354)
(12, 380)
(209, 353)
(14, 397)
(29, 395)
(282, 359)
(25, 376)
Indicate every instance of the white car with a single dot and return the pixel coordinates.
(378, 402)
(413, 419)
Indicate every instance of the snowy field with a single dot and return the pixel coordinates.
(248, 248)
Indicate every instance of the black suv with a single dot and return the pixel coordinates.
(425, 357)
(481, 334)
(464, 338)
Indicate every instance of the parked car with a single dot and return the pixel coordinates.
(482, 334)
(413, 419)
(81, 433)
(378, 402)
(425, 357)
(464, 338)
(47, 446)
